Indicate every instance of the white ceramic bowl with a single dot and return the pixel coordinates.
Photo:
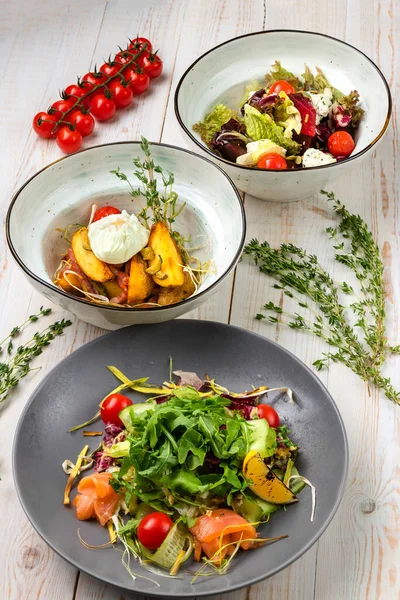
(63, 193)
(221, 74)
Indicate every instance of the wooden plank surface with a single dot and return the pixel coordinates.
(43, 46)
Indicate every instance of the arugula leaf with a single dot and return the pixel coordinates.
(191, 441)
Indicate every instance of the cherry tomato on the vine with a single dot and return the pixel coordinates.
(59, 107)
(69, 140)
(121, 93)
(123, 57)
(110, 69)
(43, 125)
(267, 412)
(95, 78)
(281, 86)
(272, 160)
(341, 144)
(83, 121)
(105, 211)
(153, 66)
(76, 91)
(138, 43)
(153, 529)
(102, 108)
(112, 406)
(138, 82)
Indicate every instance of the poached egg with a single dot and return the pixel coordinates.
(116, 238)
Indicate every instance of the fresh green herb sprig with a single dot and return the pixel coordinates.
(360, 345)
(18, 364)
(160, 205)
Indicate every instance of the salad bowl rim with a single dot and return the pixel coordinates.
(58, 290)
(204, 147)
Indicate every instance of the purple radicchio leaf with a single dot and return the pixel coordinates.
(323, 132)
(102, 462)
(230, 142)
(254, 99)
(340, 118)
(162, 399)
(112, 435)
(111, 432)
(244, 404)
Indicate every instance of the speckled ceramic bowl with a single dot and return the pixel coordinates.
(63, 192)
(221, 74)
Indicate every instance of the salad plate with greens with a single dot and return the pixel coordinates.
(288, 121)
(180, 482)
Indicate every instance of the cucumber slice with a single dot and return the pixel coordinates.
(262, 437)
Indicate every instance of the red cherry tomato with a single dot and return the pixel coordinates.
(121, 94)
(110, 69)
(341, 144)
(43, 125)
(153, 529)
(153, 66)
(77, 90)
(68, 140)
(272, 161)
(138, 43)
(83, 121)
(105, 211)
(112, 406)
(95, 78)
(267, 412)
(101, 107)
(138, 82)
(281, 86)
(123, 57)
(59, 107)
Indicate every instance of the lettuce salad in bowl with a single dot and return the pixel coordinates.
(287, 122)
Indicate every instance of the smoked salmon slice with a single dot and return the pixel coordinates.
(96, 498)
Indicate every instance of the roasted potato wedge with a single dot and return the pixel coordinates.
(64, 281)
(176, 294)
(94, 268)
(166, 266)
(140, 283)
(112, 288)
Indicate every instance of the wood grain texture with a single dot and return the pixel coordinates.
(43, 46)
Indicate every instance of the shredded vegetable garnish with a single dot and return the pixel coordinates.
(90, 546)
(92, 433)
(74, 473)
(307, 482)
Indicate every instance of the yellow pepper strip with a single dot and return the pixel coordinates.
(177, 563)
(111, 532)
(92, 433)
(74, 473)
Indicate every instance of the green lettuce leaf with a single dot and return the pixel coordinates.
(287, 116)
(278, 72)
(321, 82)
(351, 103)
(261, 126)
(213, 122)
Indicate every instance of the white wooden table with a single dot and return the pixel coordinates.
(43, 46)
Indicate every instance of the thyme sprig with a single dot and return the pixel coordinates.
(160, 205)
(355, 330)
(18, 365)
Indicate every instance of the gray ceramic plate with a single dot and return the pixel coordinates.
(236, 358)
